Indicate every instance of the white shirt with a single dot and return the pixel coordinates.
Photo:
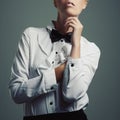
(33, 80)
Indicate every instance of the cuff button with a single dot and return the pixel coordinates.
(51, 103)
(72, 65)
(52, 88)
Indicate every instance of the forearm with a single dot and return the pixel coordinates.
(59, 72)
(78, 75)
(75, 42)
(75, 54)
(75, 51)
(24, 90)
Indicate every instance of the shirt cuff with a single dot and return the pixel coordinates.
(50, 80)
(75, 64)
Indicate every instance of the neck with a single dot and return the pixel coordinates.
(59, 25)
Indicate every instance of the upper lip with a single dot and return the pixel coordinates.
(70, 3)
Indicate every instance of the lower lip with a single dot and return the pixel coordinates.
(70, 5)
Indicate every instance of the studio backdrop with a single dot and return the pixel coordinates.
(101, 22)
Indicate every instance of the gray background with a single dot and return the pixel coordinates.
(101, 25)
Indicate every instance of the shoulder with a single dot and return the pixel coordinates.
(89, 47)
(31, 31)
(34, 34)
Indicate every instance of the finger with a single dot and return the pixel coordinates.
(70, 24)
(75, 21)
(72, 18)
(70, 21)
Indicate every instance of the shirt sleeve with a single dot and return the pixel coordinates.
(22, 87)
(78, 75)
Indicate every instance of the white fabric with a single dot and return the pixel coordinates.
(33, 80)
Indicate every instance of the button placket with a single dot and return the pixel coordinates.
(51, 102)
(57, 48)
(51, 59)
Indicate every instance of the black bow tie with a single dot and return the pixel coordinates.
(56, 36)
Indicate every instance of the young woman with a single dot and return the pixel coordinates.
(54, 66)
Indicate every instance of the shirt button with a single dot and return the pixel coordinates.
(56, 52)
(51, 103)
(52, 88)
(61, 40)
(72, 65)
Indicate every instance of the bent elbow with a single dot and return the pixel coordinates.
(15, 95)
(17, 100)
(68, 97)
(71, 95)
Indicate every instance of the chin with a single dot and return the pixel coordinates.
(71, 15)
(70, 12)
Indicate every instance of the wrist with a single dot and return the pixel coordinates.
(75, 51)
(76, 44)
(76, 40)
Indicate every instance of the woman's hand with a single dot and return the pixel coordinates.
(59, 72)
(75, 24)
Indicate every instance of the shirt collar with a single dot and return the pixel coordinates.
(50, 26)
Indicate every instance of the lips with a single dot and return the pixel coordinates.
(70, 3)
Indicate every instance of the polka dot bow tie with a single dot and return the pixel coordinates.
(56, 36)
